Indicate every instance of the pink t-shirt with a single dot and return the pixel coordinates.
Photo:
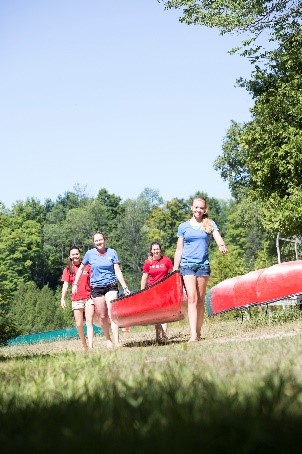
(157, 269)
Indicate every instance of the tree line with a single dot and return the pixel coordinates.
(36, 237)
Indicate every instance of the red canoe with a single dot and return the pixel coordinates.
(160, 303)
(256, 287)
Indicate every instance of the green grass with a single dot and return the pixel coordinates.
(237, 390)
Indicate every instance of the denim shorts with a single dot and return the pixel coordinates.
(195, 270)
(101, 291)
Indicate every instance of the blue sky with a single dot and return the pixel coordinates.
(115, 94)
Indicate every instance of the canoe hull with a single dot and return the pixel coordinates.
(256, 288)
(161, 303)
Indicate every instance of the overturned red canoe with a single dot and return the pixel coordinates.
(256, 287)
(161, 303)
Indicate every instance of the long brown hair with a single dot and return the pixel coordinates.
(69, 263)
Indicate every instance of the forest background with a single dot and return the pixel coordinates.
(261, 160)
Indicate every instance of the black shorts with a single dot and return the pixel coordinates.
(101, 291)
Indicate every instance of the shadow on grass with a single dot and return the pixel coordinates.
(160, 417)
(22, 357)
(172, 340)
(153, 342)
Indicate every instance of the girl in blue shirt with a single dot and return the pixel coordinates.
(192, 256)
(105, 273)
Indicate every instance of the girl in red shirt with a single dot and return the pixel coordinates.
(81, 300)
(155, 268)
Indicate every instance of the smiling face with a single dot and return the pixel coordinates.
(199, 208)
(74, 255)
(99, 241)
(155, 251)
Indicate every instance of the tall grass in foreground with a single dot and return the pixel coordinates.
(237, 391)
(159, 416)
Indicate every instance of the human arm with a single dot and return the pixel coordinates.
(119, 275)
(178, 253)
(77, 278)
(64, 293)
(144, 280)
(219, 241)
(170, 266)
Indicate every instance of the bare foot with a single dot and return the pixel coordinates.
(161, 339)
(109, 343)
(193, 339)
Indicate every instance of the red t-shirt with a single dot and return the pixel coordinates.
(83, 292)
(157, 269)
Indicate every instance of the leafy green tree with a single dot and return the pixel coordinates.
(8, 328)
(240, 15)
(72, 199)
(69, 222)
(31, 209)
(130, 235)
(23, 307)
(152, 197)
(232, 163)
(130, 240)
(263, 159)
(49, 314)
(246, 236)
(225, 266)
(20, 252)
(163, 222)
(107, 211)
(251, 18)
(37, 310)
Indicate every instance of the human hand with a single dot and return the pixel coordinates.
(222, 248)
(63, 303)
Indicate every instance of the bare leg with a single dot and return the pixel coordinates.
(202, 282)
(89, 312)
(164, 327)
(114, 328)
(78, 316)
(161, 331)
(191, 289)
(101, 312)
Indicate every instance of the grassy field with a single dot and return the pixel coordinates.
(237, 390)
